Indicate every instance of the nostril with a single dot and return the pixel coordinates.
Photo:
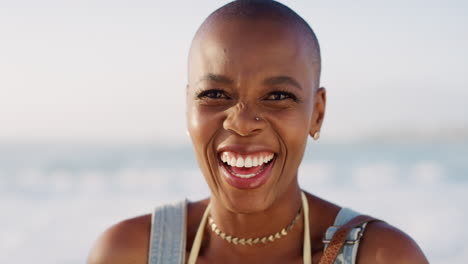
(243, 127)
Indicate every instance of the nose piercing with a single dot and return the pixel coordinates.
(257, 119)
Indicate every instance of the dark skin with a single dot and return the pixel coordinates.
(239, 70)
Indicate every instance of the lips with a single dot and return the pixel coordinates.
(246, 171)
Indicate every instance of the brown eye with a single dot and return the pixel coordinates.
(213, 94)
(279, 96)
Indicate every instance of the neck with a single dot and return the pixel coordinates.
(259, 224)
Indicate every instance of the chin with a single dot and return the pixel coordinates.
(245, 201)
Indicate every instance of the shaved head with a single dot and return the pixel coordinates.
(256, 11)
(253, 81)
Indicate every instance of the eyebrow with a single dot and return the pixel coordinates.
(277, 80)
(216, 78)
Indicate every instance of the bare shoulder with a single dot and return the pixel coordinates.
(124, 242)
(383, 243)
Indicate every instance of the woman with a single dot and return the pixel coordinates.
(253, 99)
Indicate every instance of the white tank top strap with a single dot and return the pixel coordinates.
(198, 237)
(306, 248)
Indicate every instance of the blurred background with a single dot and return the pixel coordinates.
(92, 123)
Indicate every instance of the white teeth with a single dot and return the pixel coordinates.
(267, 158)
(248, 162)
(255, 162)
(240, 162)
(245, 176)
(232, 161)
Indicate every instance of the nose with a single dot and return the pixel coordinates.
(243, 120)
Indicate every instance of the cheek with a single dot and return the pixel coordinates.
(201, 125)
(202, 128)
(293, 132)
(293, 126)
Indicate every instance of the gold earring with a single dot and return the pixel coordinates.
(316, 135)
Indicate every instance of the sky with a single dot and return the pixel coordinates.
(115, 71)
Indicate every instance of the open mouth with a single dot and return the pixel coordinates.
(246, 171)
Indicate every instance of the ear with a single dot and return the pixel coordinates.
(320, 100)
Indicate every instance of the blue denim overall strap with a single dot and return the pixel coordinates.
(349, 250)
(168, 229)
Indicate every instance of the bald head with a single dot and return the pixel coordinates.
(255, 11)
(255, 36)
(253, 81)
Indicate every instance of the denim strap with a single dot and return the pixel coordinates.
(349, 250)
(168, 229)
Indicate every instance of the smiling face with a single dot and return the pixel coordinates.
(252, 101)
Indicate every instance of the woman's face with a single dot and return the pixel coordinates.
(250, 109)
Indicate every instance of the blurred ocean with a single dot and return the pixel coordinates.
(56, 199)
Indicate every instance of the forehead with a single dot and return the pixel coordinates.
(250, 47)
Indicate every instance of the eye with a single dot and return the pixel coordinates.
(213, 94)
(280, 95)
